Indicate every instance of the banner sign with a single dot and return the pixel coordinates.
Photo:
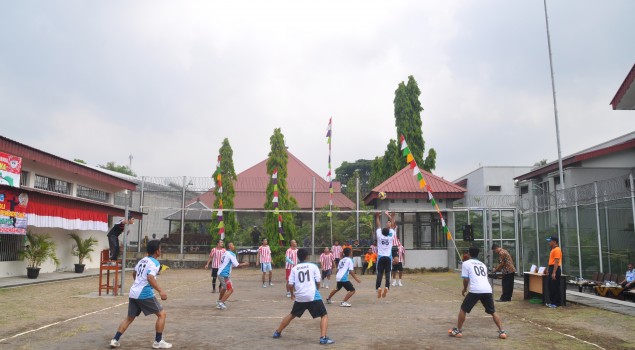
(13, 219)
(10, 169)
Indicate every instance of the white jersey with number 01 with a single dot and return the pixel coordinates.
(476, 271)
(304, 277)
(384, 243)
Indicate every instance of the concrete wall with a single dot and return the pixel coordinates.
(426, 258)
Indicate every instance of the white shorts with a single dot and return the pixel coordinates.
(357, 261)
(265, 267)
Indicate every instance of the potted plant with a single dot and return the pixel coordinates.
(82, 249)
(38, 249)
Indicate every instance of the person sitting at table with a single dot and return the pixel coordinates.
(629, 282)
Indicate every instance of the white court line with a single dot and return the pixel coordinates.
(59, 322)
(565, 334)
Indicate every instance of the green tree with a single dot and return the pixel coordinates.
(80, 161)
(386, 166)
(408, 122)
(124, 169)
(346, 171)
(228, 175)
(278, 159)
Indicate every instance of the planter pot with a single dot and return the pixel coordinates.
(79, 268)
(32, 272)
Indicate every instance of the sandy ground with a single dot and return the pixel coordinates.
(70, 315)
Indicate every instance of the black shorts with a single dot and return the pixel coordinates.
(347, 285)
(316, 308)
(397, 267)
(148, 306)
(337, 261)
(472, 298)
(326, 273)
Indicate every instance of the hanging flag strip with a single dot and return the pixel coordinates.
(422, 183)
(219, 191)
(329, 175)
(276, 210)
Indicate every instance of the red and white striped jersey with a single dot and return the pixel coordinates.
(337, 251)
(396, 241)
(373, 248)
(216, 254)
(326, 261)
(401, 251)
(265, 254)
(292, 254)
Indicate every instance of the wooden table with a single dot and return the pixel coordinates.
(608, 291)
(538, 284)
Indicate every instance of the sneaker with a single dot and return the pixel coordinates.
(264, 285)
(327, 287)
(276, 335)
(222, 306)
(213, 290)
(326, 340)
(217, 304)
(161, 345)
(552, 306)
(288, 294)
(345, 304)
(502, 334)
(270, 284)
(455, 332)
(399, 284)
(394, 283)
(328, 301)
(114, 343)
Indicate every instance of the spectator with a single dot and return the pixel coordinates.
(336, 249)
(555, 271)
(629, 282)
(357, 255)
(370, 261)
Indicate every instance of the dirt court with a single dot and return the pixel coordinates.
(70, 315)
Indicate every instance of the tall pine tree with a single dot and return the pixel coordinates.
(408, 122)
(228, 177)
(278, 159)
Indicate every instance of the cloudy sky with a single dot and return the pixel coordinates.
(167, 81)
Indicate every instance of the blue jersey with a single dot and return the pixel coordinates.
(226, 262)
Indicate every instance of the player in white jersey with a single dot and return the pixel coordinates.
(263, 258)
(214, 259)
(345, 267)
(385, 238)
(141, 297)
(474, 274)
(304, 281)
(224, 270)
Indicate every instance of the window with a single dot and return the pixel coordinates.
(10, 244)
(493, 188)
(91, 193)
(24, 178)
(428, 233)
(524, 189)
(51, 184)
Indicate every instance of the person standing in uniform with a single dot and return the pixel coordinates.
(304, 281)
(474, 274)
(214, 258)
(291, 257)
(263, 257)
(507, 269)
(141, 297)
(224, 270)
(336, 249)
(326, 265)
(554, 271)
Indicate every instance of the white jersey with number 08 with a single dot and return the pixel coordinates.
(476, 271)
(304, 276)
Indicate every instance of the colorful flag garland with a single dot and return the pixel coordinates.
(219, 189)
(276, 211)
(329, 178)
(422, 182)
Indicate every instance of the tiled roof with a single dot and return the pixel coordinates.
(403, 185)
(252, 183)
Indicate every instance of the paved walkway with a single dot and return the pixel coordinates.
(588, 299)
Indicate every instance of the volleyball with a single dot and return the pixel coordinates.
(382, 195)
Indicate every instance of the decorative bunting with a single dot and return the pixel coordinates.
(329, 178)
(276, 210)
(422, 182)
